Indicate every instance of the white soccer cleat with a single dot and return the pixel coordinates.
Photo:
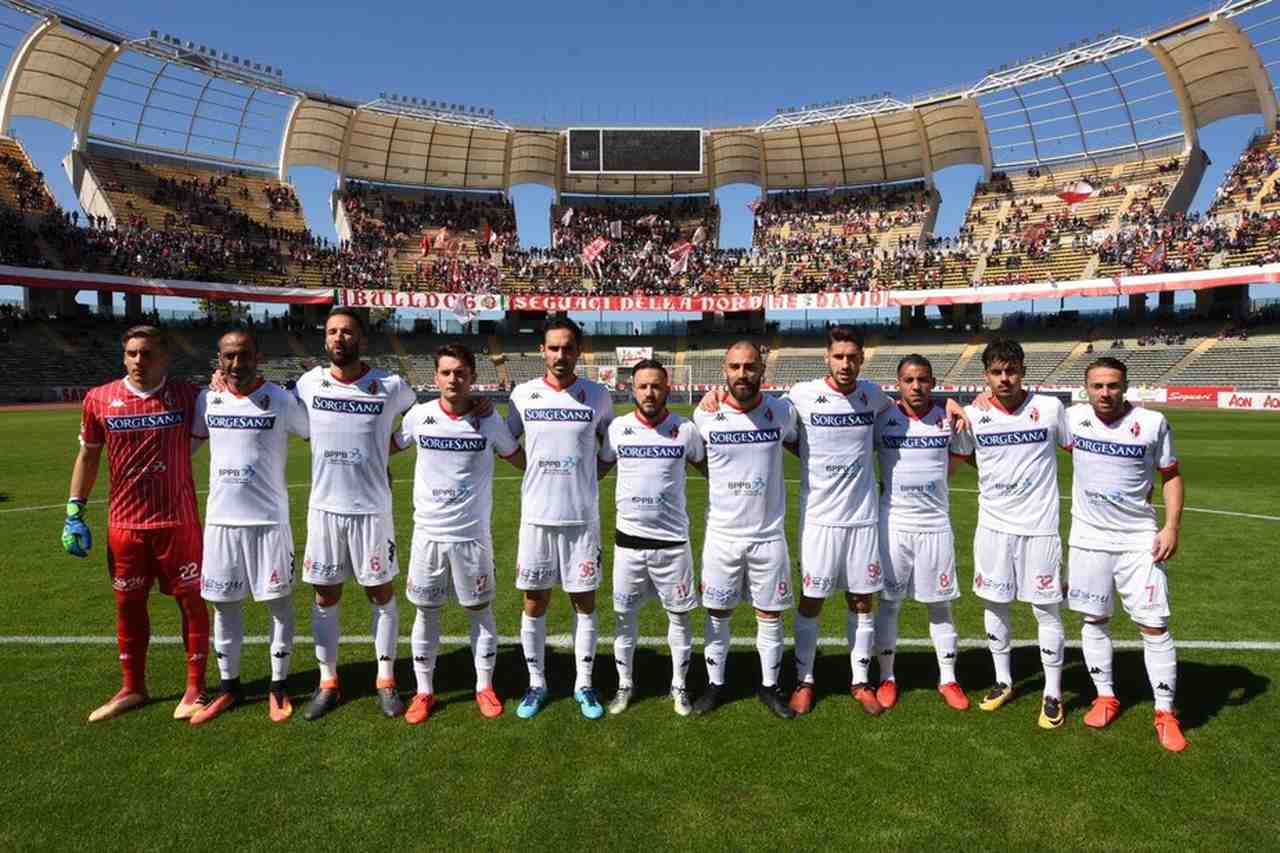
(681, 702)
(621, 700)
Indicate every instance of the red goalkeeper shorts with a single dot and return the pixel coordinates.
(171, 555)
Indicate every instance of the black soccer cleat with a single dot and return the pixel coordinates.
(324, 700)
(390, 702)
(775, 701)
(708, 701)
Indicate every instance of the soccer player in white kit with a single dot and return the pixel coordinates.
(917, 547)
(651, 555)
(1017, 549)
(745, 551)
(248, 541)
(1116, 548)
(452, 542)
(352, 409)
(564, 420)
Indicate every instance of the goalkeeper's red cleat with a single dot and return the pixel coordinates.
(489, 703)
(887, 694)
(954, 696)
(1104, 710)
(124, 700)
(420, 708)
(1169, 731)
(192, 701)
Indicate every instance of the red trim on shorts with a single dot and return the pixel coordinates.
(1170, 471)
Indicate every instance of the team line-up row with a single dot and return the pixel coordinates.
(888, 541)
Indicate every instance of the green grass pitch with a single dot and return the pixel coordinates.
(922, 776)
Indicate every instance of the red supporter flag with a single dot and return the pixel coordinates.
(426, 245)
(567, 218)
(700, 236)
(1155, 258)
(442, 238)
(1077, 192)
(678, 255)
(594, 250)
(648, 221)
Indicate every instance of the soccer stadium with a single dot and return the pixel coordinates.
(1111, 204)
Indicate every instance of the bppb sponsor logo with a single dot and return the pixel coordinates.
(454, 445)
(581, 416)
(650, 451)
(129, 423)
(841, 419)
(1005, 439)
(343, 406)
(746, 436)
(258, 422)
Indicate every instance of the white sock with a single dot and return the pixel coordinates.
(228, 634)
(1095, 640)
(484, 645)
(584, 648)
(806, 634)
(533, 639)
(424, 640)
(386, 633)
(717, 647)
(1162, 668)
(886, 622)
(942, 630)
(324, 628)
(680, 639)
(996, 617)
(769, 642)
(1053, 644)
(282, 630)
(624, 646)
(860, 631)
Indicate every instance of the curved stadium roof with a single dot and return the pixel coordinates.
(1114, 94)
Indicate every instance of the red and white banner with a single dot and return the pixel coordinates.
(1077, 192)
(694, 304)
(594, 250)
(679, 256)
(631, 356)
(826, 301)
(648, 221)
(470, 302)
(62, 279)
(1249, 401)
(1204, 396)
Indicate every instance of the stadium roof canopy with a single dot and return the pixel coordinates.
(1112, 96)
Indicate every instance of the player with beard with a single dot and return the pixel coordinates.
(651, 557)
(564, 420)
(148, 426)
(1116, 548)
(352, 408)
(745, 551)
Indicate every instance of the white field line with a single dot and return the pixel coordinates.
(565, 641)
(611, 476)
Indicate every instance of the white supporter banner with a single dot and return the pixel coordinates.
(631, 356)
(1249, 401)
(468, 302)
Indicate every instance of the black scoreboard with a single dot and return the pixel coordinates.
(634, 151)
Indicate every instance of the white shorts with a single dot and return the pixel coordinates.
(662, 573)
(733, 569)
(1008, 566)
(568, 556)
(436, 566)
(239, 560)
(918, 564)
(341, 546)
(1139, 582)
(833, 558)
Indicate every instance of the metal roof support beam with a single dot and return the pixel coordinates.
(426, 161)
(391, 141)
(804, 165)
(1075, 111)
(282, 163)
(146, 103)
(884, 167)
(1124, 99)
(345, 150)
(1257, 71)
(84, 116)
(1031, 128)
(926, 153)
(984, 143)
(1190, 139)
(17, 65)
(244, 115)
(195, 113)
(844, 167)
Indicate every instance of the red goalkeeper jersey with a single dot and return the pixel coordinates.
(148, 442)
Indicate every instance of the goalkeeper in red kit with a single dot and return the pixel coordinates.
(146, 423)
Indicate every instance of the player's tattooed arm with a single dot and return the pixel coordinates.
(1166, 544)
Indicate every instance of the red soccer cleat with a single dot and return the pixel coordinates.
(1169, 731)
(222, 703)
(887, 694)
(802, 698)
(124, 700)
(192, 701)
(489, 703)
(865, 695)
(1104, 710)
(420, 708)
(954, 696)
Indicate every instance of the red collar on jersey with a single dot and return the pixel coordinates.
(834, 387)
(261, 381)
(450, 415)
(1128, 407)
(733, 404)
(909, 412)
(364, 371)
(1026, 395)
(645, 422)
(553, 386)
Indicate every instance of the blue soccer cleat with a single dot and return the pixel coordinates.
(589, 701)
(535, 699)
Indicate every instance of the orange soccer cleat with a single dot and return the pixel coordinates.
(1169, 731)
(489, 703)
(1105, 709)
(420, 708)
(221, 703)
(124, 700)
(887, 694)
(279, 708)
(954, 696)
(192, 701)
(802, 698)
(865, 695)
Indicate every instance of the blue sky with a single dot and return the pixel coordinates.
(717, 63)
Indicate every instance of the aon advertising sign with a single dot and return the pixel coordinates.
(1249, 401)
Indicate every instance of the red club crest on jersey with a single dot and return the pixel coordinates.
(1135, 430)
(873, 571)
(768, 414)
(582, 397)
(263, 402)
(675, 432)
(373, 386)
(1035, 415)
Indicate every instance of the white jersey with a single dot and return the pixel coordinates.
(561, 427)
(248, 448)
(651, 474)
(837, 469)
(1113, 475)
(748, 498)
(453, 475)
(351, 426)
(1017, 461)
(915, 458)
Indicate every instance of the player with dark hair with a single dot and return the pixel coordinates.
(452, 542)
(1116, 548)
(147, 423)
(651, 556)
(564, 420)
(1017, 552)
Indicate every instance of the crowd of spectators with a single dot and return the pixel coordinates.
(27, 186)
(1247, 176)
(389, 220)
(1179, 242)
